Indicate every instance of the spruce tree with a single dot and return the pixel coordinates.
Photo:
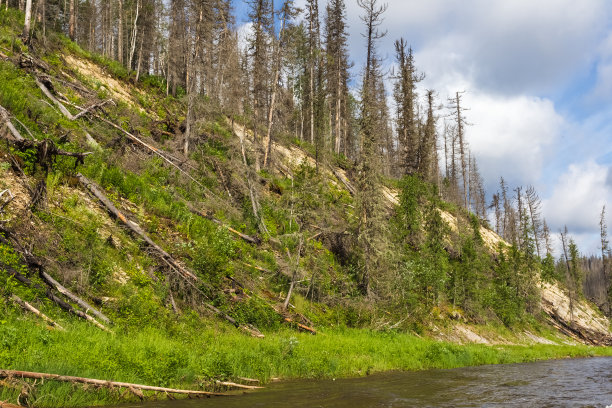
(369, 185)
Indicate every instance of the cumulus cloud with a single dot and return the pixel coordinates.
(512, 136)
(578, 196)
(506, 46)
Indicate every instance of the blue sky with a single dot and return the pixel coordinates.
(538, 82)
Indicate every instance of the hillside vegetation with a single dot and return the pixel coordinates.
(182, 270)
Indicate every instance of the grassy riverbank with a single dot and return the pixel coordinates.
(188, 354)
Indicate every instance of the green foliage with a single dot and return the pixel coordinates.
(414, 191)
(212, 252)
(256, 312)
(548, 270)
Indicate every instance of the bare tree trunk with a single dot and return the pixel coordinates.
(134, 34)
(119, 33)
(277, 69)
(568, 275)
(139, 60)
(28, 18)
(338, 107)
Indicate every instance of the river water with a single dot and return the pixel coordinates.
(555, 383)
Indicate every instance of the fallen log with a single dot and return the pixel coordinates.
(234, 385)
(26, 306)
(344, 181)
(183, 272)
(49, 95)
(61, 289)
(6, 118)
(301, 326)
(112, 210)
(100, 383)
(51, 296)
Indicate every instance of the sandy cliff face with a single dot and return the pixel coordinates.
(579, 319)
(582, 322)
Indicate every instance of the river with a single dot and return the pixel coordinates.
(556, 383)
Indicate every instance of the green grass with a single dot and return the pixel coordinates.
(190, 352)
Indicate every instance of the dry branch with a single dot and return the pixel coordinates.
(91, 108)
(7, 202)
(100, 383)
(26, 306)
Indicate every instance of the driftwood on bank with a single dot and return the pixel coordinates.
(26, 306)
(101, 383)
(183, 272)
(234, 385)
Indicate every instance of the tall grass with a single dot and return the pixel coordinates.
(192, 353)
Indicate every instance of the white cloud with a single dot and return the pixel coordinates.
(511, 136)
(578, 197)
(505, 46)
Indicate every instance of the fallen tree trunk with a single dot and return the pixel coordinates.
(101, 383)
(301, 326)
(234, 385)
(25, 305)
(343, 180)
(183, 272)
(110, 207)
(6, 118)
(61, 289)
(57, 103)
(51, 296)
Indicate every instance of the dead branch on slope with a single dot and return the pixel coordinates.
(28, 307)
